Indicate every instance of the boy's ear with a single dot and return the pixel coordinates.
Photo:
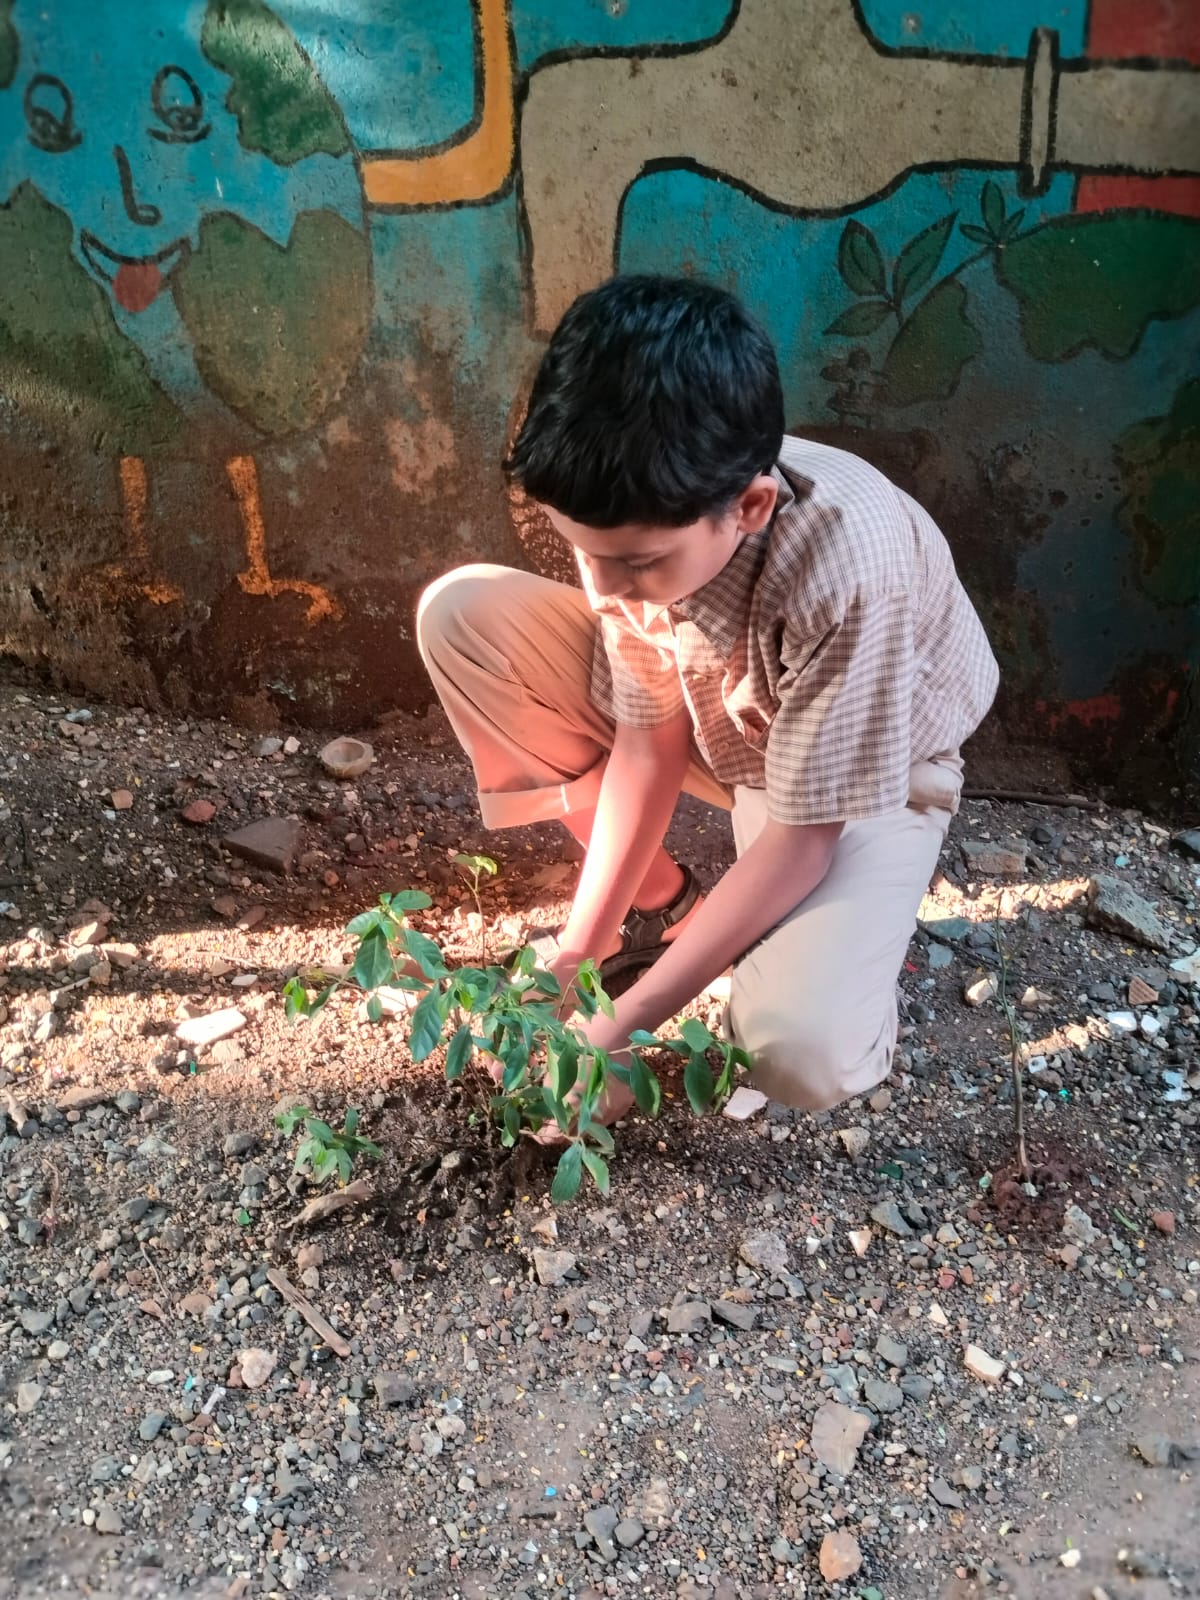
(756, 503)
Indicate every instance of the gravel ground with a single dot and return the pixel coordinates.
(848, 1354)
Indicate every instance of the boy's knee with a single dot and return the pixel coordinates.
(450, 603)
(813, 1069)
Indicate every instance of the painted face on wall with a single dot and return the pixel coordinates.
(211, 193)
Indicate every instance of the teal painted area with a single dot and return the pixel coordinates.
(612, 24)
(976, 27)
(403, 73)
(784, 267)
(468, 316)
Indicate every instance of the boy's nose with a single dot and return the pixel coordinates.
(609, 578)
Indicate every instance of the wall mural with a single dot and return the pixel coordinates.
(287, 269)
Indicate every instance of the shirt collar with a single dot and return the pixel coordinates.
(721, 607)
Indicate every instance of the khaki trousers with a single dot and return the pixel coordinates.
(814, 1002)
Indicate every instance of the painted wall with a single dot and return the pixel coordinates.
(273, 283)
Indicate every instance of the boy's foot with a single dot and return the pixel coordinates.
(645, 933)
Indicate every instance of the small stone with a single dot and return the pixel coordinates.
(1079, 1228)
(764, 1251)
(28, 1395)
(860, 1240)
(689, 1317)
(272, 842)
(629, 1533)
(940, 957)
(952, 929)
(195, 1304)
(837, 1433)
(945, 1495)
(198, 812)
(256, 1366)
(983, 1366)
(199, 1031)
(1121, 1022)
(239, 1144)
(122, 800)
(393, 1388)
(982, 990)
(880, 1100)
(1164, 1221)
(151, 1426)
(602, 1525)
(990, 859)
(268, 746)
(892, 1351)
(840, 1556)
(854, 1140)
(734, 1315)
(1140, 992)
(108, 1521)
(882, 1396)
(1114, 908)
(971, 1477)
(887, 1214)
(552, 1266)
(36, 1323)
(58, 1350)
(1156, 1450)
(29, 1230)
(781, 1551)
(1071, 1558)
(744, 1103)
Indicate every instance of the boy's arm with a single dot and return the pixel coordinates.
(779, 870)
(641, 784)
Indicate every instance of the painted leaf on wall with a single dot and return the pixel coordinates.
(63, 360)
(860, 260)
(282, 107)
(931, 349)
(921, 256)
(861, 319)
(276, 331)
(1100, 280)
(1159, 460)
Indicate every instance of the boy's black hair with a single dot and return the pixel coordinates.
(657, 401)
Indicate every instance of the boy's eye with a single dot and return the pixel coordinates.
(643, 566)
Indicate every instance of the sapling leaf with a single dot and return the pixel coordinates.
(647, 1090)
(373, 964)
(366, 922)
(641, 1040)
(512, 1123)
(319, 1130)
(695, 1035)
(295, 999)
(350, 1121)
(424, 952)
(567, 1175)
(428, 1020)
(698, 1082)
(374, 1008)
(407, 900)
(598, 1168)
(342, 1158)
(458, 1052)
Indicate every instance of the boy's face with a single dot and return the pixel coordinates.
(661, 565)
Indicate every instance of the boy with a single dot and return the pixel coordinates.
(765, 622)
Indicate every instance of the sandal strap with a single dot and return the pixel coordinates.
(644, 930)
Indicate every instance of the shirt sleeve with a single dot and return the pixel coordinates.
(839, 747)
(633, 681)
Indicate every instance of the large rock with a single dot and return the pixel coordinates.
(272, 842)
(1113, 907)
(995, 860)
(840, 1556)
(837, 1433)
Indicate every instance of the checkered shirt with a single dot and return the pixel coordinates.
(836, 648)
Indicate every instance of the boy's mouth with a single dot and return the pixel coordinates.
(136, 280)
